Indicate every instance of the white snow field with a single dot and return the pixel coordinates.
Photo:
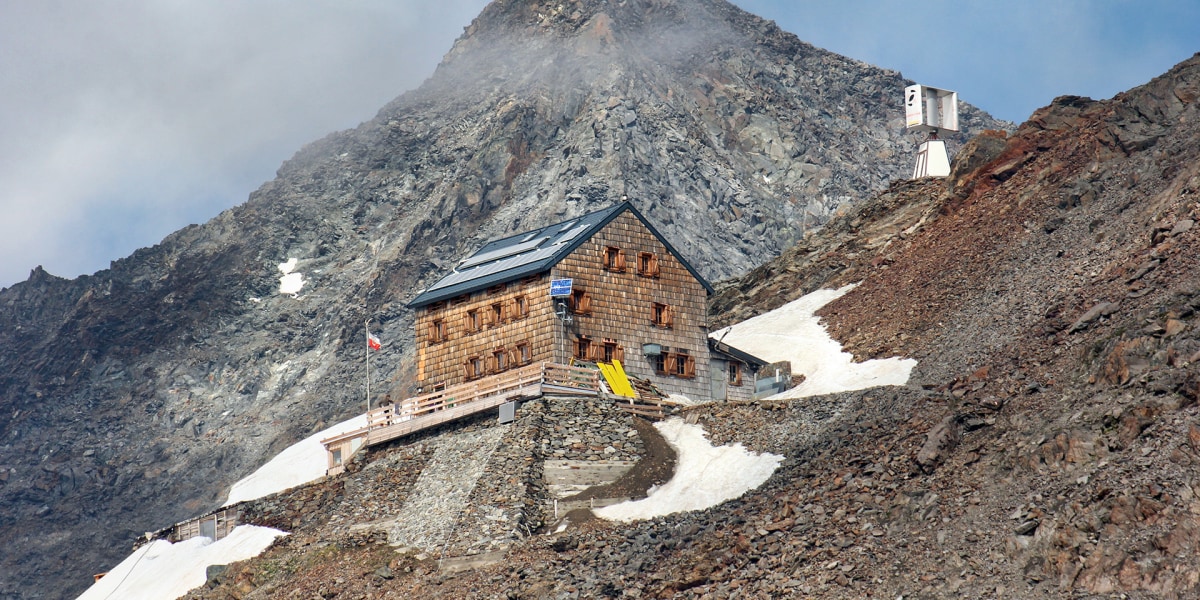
(161, 570)
(705, 475)
(299, 464)
(793, 332)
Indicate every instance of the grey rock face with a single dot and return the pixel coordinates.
(132, 398)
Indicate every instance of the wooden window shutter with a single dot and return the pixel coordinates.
(619, 354)
(672, 363)
(652, 266)
(513, 358)
(432, 334)
(468, 370)
(668, 316)
(620, 261)
(585, 303)
(689, 366)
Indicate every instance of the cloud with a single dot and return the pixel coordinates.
(124, 121)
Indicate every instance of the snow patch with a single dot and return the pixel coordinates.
(290, 283)
(161, 570)
(300, 463)
(793, 332)
(704, 475)
(681, 400)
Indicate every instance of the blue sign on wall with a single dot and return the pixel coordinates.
(560, 287)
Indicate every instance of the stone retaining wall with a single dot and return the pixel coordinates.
(510, 499)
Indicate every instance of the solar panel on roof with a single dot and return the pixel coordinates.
(497, 254)
(572, 234)
(484, 270)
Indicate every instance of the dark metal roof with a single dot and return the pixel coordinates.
(742, 355)
(530, 253)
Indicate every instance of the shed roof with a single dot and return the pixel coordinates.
(530, 253)
(716, 345)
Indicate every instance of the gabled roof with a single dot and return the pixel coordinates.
(530, 253)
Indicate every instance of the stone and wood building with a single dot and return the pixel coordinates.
(632, 297)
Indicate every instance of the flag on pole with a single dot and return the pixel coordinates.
(373, 341)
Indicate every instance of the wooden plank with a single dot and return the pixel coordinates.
(644, 412)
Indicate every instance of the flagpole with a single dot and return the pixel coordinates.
(367, 326)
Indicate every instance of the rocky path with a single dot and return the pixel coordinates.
(440, 494)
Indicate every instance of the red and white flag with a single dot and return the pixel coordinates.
(373, 342)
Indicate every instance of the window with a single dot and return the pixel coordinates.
(661, 315)
(735, 373)
(474, 367)
(437, 331)
(474, 321)
(496, 289)
(520, 307)
(497, 314)
(614, 259)
(581, 302)
(436, 306)
(524, 354)
(583, 348)
(681, 362)
(659, 361)
(612, 351)
(647, 264)
(675, 364)
(461, 299)
(500, 359)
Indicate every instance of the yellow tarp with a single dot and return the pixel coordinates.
(617, 380)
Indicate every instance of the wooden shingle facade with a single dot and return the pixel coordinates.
(633, 298)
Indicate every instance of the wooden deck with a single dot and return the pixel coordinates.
(411, 415)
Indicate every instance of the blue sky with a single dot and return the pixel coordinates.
(123, 121)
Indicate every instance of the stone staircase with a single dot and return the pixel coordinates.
(441, 492)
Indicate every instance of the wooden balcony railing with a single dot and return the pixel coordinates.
(422, 412)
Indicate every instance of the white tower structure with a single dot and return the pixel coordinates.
(933, 111)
